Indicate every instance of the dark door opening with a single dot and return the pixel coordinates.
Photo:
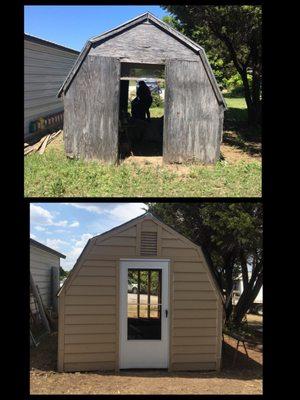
(138, 134)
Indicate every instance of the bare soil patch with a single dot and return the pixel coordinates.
(244, 377)
(231, 152)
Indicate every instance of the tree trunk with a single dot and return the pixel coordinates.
(252, 96)
(229, 262)
(247, 298)
(244, 269)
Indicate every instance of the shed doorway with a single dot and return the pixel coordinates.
(138, 135)
(144, 322)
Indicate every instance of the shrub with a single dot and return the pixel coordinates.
(157, 100)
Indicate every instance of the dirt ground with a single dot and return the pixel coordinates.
(231, 152)
(242, 377)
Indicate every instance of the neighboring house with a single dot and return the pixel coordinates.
(238, 290)
(44, 268)
(46, 66)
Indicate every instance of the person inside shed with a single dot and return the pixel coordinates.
(145, 99)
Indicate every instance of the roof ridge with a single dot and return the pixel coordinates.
(163, 25)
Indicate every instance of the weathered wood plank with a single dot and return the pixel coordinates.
(191, 123)
(145, 41)
(91, 110)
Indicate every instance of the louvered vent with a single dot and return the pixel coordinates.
(148, 243)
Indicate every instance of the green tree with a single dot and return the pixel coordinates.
(231, 238)
(63, 273)
(231, 35)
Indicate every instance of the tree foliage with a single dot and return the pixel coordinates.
(230, 235)
(231, 36)
(63, 273)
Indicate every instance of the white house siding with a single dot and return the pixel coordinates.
(41, 263)
(46, 66)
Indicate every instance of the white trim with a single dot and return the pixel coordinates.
(144, 353)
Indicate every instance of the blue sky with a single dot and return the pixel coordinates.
(66, 227)
(72, 26)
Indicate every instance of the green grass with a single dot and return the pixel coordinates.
(238, 102)
(155, 112)
(237, 111)
(54, 175)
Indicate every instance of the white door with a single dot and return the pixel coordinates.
(144, 322)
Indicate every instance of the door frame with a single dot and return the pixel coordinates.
(141, 64)
(165, 265)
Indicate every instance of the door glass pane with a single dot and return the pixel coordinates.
(144, 304)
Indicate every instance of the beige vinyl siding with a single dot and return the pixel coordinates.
(88, 340)
(194, 308)
(45, 69)
(88, 324)
(41, 263)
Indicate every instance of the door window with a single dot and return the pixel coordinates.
(144, 304)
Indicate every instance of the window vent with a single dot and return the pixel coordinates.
(148, 243)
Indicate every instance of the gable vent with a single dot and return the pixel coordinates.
(148, 243)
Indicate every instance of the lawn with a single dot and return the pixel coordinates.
(237, 174)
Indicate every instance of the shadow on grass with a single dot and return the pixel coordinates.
(239, 134)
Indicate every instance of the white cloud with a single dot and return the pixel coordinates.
(33, 236)
(83, 240)
(127, 211)
(91, 207)
(74, 224)
(120, 211)
(55, 243)
(41, 216)
(40, 228)
(75, 251)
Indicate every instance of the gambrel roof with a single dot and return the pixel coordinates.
(146, 17)
(127, 225)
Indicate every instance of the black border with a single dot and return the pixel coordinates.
(19, 291)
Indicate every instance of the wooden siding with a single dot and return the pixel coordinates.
(41, 263)
(91, 110)
(144, 43)
(88, 327)
(192, 123)
(45, 69)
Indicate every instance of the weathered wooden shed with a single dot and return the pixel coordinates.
(97, 87)
(140, 296)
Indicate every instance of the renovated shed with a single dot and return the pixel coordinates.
(44, 269)
(140, 296)
(46, 65)
(96, 90)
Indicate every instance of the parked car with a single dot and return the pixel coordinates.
(132, 288)
(152, 85)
